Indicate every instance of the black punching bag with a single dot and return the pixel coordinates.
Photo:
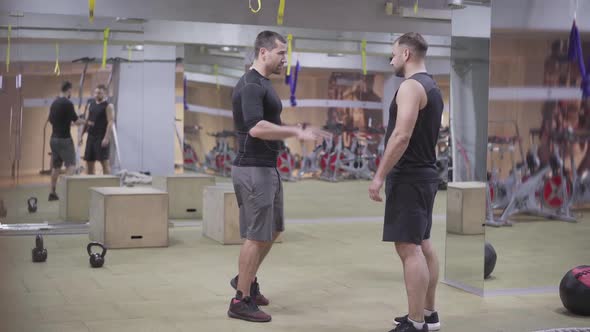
(490, 260)
(574, 290)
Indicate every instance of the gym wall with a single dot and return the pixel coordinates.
(312, 84)
(203, 94)
(8, 97)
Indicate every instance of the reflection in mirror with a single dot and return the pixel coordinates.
(327, 88)
(538, 146)
(46, 52)
(11, 113)
(466, 195)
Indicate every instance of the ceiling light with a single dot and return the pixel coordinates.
(138, 48)
(130, 20)
(229, 49)
(455, 4)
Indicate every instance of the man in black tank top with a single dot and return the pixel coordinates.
(411, 180)
(99, 128)
(257, 183)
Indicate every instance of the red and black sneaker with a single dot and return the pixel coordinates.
(244, 308)
(259, 299)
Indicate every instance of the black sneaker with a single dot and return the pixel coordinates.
(432, 321)
(407, 326)
(53, 197)
(245, 309)
(259, 299)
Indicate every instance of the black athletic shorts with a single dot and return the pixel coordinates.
(94, 149)
(408, 211)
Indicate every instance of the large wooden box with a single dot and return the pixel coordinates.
(126, 217)
(221, 215)
(74, 194)
(185, 193)
(466, 207)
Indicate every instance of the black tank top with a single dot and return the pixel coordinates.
(98, 115)
(418, 163)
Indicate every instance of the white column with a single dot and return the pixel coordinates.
(469, 92)
(129, 111)
(159, 111)
(145, 112)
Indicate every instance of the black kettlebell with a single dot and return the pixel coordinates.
(32, 204)
(96, 259)
(39, 253)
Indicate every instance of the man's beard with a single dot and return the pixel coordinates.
(278, 69)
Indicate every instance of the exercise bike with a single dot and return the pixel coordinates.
(444, 158)
(578, 190)
(526, 199)
(356, 160)
(501, 190)
(221, 157)
(372, 134)
(286, 163)
(334, 151)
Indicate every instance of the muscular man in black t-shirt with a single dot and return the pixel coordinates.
(61, 116)
(257, 183)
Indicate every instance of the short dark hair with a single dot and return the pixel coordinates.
(65, 86)
(102, 87)
(415, 41)
(267, 39)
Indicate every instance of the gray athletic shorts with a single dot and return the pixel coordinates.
(259, 192)
(62, 151)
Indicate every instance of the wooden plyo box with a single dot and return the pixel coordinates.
(135, 217)
(74, 194)
(466, 207)
(185, 193)
(221, 215)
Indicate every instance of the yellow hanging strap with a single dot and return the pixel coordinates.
(281, 13)
(8, 49)
(252, 8)
(416, 7)
(216, 73)
(289, 52)
(91, 4)
(364, 55)
(105, 47)
(56, 69)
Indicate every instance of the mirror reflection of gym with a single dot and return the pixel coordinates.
(336, 95)
(44, 59)
(466, 195)
(537, 153)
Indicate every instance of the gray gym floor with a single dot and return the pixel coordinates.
(331, 273)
